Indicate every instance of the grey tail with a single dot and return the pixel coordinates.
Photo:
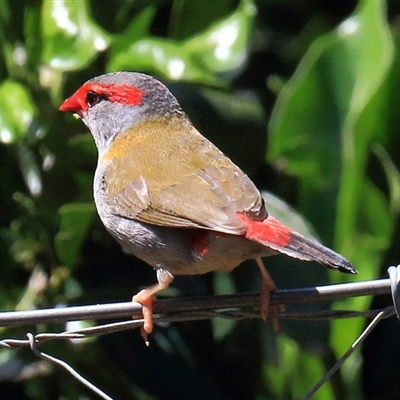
(271, 233)
(310, 250)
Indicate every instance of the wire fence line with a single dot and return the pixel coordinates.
(234, 306)
(196, 304)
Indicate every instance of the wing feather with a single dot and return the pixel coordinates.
(192, 185)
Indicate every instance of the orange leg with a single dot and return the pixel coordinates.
(267, 286)
(146, 298)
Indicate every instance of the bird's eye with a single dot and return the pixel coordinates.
(92, 99)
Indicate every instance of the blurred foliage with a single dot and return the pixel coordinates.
(302, 95)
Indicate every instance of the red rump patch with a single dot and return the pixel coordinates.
(198, 240)
(268, 231)
(123, 94)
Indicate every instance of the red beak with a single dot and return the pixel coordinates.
(70, 105)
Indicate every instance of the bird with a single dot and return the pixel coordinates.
(171, 197)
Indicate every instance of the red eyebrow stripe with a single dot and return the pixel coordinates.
(123, 94)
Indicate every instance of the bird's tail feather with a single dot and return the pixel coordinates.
(279, 237)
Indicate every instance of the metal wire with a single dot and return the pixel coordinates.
(389, 311)
(204, 303)
(235, 306)
(66, 366)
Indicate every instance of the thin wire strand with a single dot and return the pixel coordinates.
(350, 351)
(99, 330)
(66, 366)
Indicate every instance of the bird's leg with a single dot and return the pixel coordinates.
(146, 298)
(267, 286)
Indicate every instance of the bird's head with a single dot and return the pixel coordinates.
(111, 104)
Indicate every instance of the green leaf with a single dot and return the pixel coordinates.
(136, 30)
(189, 17)
(369, 35)
(295, 372)
(32, 30)
(323, 125)
(17, 112)
(393, 178)
(162, 57)
(224, 46)
(30, 169)
(71, 39)
(75, 222)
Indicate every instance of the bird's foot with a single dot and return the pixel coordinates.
(268, 286)
(147, 311)
(146, 298)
